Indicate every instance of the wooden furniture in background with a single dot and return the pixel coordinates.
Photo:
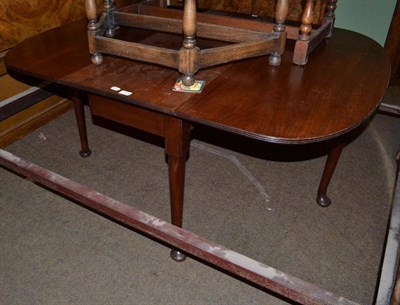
(262, 8)
(246, 38)
(392, 46)
(310, 18)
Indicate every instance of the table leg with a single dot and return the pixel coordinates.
(330, 165)
(80, 120)
(177, 139)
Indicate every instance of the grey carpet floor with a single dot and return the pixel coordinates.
(261, 204)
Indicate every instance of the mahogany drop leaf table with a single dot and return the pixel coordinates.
(337, 92)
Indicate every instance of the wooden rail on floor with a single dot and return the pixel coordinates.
(235, 263)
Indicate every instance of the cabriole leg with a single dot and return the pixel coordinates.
(81, 122)
(330, 165)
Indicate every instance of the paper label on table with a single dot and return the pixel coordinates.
(197, 87)
(124, 92)
(115, 88)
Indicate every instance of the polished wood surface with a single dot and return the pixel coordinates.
(335, 92)
(68, 53)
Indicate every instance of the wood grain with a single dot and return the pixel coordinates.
(292, 104)
(20, 19)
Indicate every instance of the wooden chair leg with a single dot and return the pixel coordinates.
(322, 11)
(109, 8)
(188, 52)
(282, 8)
(330, 165)
(91, 13)
(330, 14)
(302, 44)
(81, 122)
(306, 21)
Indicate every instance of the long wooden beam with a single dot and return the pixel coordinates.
(137, 51)
(172, 25)
(274, 280)
(224, 54)
(254, 24)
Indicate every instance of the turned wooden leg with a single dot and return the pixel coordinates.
(306, 21)
(322, 11)
(81, 122)
(91, 13)
(109, 8)
(281, 12)
(301, 50)
(177, 137)
(330, 165)
(330, 14)
(188, 52)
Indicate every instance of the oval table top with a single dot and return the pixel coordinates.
(338, 89)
